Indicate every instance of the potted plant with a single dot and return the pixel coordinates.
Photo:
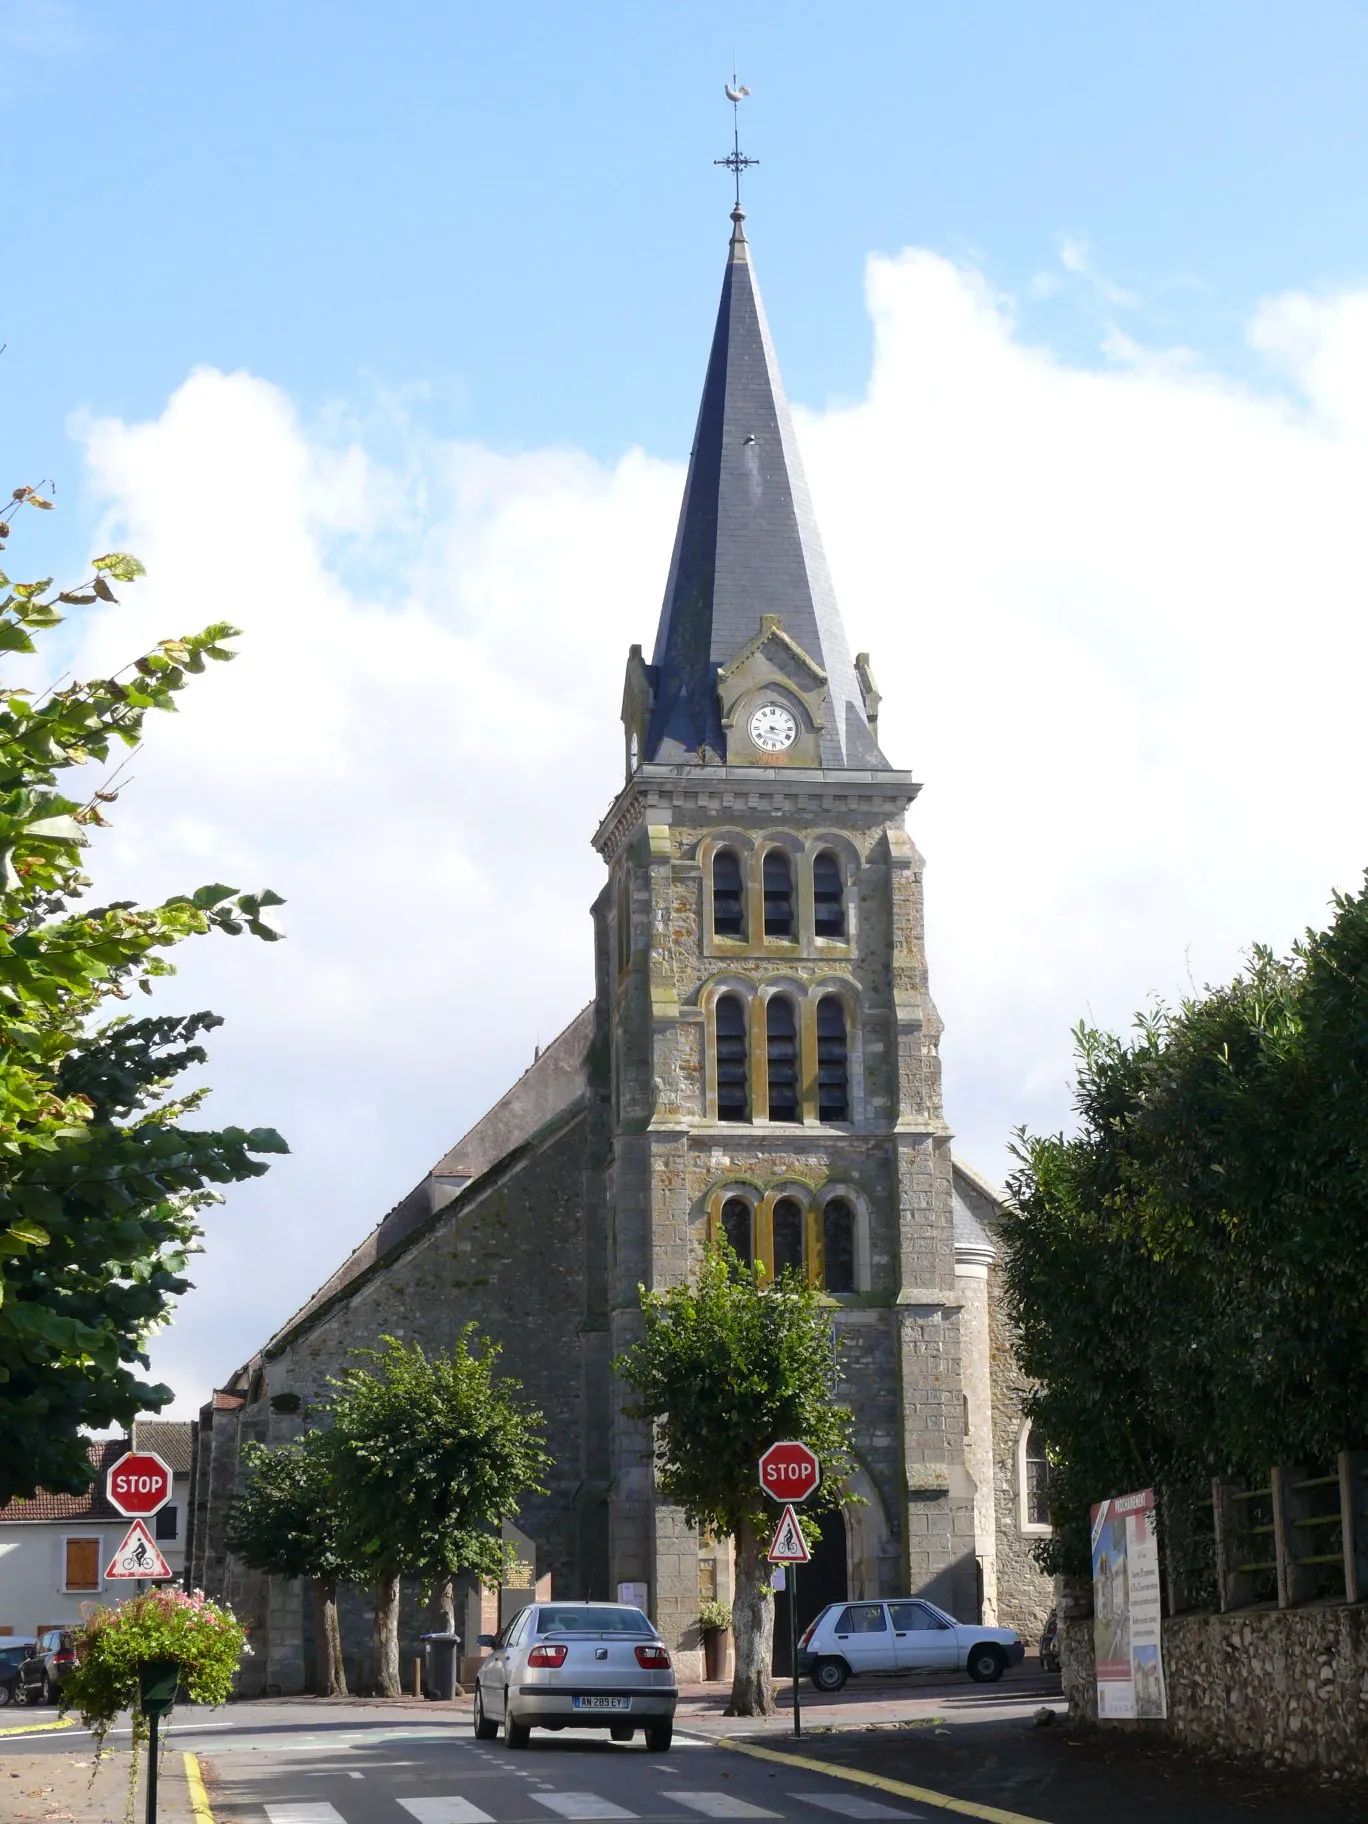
(714, 1620)
(145, 1654)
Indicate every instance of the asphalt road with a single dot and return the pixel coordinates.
(275, 1767)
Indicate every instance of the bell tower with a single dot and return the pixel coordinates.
(768, 1044)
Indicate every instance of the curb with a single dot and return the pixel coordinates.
(33, 1728)
(991, 1814)
(199, 1798)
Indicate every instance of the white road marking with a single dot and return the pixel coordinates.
(446, 1811)
(848, 1805)
(304, 1814)
(718, 1805)
(578, 1805)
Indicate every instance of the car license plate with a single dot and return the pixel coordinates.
(603, 1703)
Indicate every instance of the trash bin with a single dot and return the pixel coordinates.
(439, 1664)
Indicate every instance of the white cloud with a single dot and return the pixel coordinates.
(1117, 617)
(1077, 257)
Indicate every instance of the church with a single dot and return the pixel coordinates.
(759, 1061)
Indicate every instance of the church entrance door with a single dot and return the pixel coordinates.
(822, 1581)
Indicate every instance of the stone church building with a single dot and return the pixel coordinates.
(760, 1062)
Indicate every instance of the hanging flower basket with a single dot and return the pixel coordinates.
(149, 1653)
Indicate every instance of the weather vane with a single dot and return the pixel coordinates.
(736, 161)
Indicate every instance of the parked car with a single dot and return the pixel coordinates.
(12, 1655)
(1049, 1644)
(43, 1673)
(850, 1639)
(576, 1665)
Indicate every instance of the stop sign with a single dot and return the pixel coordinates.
(789, 1471)
(138, 1484)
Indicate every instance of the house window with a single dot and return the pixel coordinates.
(838, 1246)
(728, 895)
(833, 1064)
(781, 1046)
(82, 1564)
(828, 895)
(778, 879)
(168, 1523)
(788, 1236)
(1035, 1479)
(738, 1229)
(733, 1096)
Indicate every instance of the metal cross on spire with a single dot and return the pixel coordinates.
(736, 161)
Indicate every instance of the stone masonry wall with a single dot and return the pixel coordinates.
(1024, 1594)
(1285, 1686)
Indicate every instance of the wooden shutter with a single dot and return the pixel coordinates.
(83, 1564)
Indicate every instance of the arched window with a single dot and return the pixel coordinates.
(838, 1246)
(733, 1073)
(788, 1236)
(781, 1044)
(778, 876)
(833, 1063)
(728, 895)
(1036, 1479)
(738, 1228)
(828, 895)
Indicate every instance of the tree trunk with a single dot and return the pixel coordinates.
(387, 1637)
(442, 1607)
(330, 1675)
(753, 1627)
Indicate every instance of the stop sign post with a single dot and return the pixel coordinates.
(790, 1471)
(139, 1484)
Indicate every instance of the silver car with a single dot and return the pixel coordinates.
(576, 1665)
(908, 1635)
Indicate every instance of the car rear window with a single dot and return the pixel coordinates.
(11, 1656)
(582, 1620)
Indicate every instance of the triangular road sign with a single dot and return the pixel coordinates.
(137, 1556)
(788, 1545)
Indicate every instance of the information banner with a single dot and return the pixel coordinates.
(1126, 1607)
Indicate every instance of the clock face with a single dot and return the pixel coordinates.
(773, 728)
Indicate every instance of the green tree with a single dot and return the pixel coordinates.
(285, 1522)
(725, 1367)
(430, 1455)
(1189, 1271)
(102, 1178)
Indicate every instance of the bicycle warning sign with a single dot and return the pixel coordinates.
(137, 1556)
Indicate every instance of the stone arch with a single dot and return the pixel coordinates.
(868, 1536)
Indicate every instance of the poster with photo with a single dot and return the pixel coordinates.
(1127, 1607)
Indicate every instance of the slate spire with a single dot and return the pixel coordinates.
(747, 545)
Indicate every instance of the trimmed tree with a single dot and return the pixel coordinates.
(429, 1455)
(102, 1175)
(284, 1522)
(1189, 1271)
(726, 1367)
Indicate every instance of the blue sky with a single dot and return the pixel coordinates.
(381, 332)
(508, 215)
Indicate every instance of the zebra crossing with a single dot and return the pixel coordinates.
(453, 1808)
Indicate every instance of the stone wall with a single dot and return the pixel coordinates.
(1025, 1595)
(1282, 1686)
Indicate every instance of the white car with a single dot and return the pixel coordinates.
(576, 1665)
(909, 1634)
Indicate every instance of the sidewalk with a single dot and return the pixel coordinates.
(57, 1788)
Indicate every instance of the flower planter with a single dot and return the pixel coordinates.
(716, 1645)
(158, 1685)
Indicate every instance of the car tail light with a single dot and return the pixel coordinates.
(655, 1659)
(807, 1634)
(65, 1658)
(546, 1656)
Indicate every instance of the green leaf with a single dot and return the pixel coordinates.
(119, 565)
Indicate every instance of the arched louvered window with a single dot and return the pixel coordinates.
(781, 1045)
(833, 1060)
(733, 1065)
(1037, 1478)
(838, 1246)
(788, 1236)
(778, 878)
(728, 895)
(828, 895)
(738, 1227)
